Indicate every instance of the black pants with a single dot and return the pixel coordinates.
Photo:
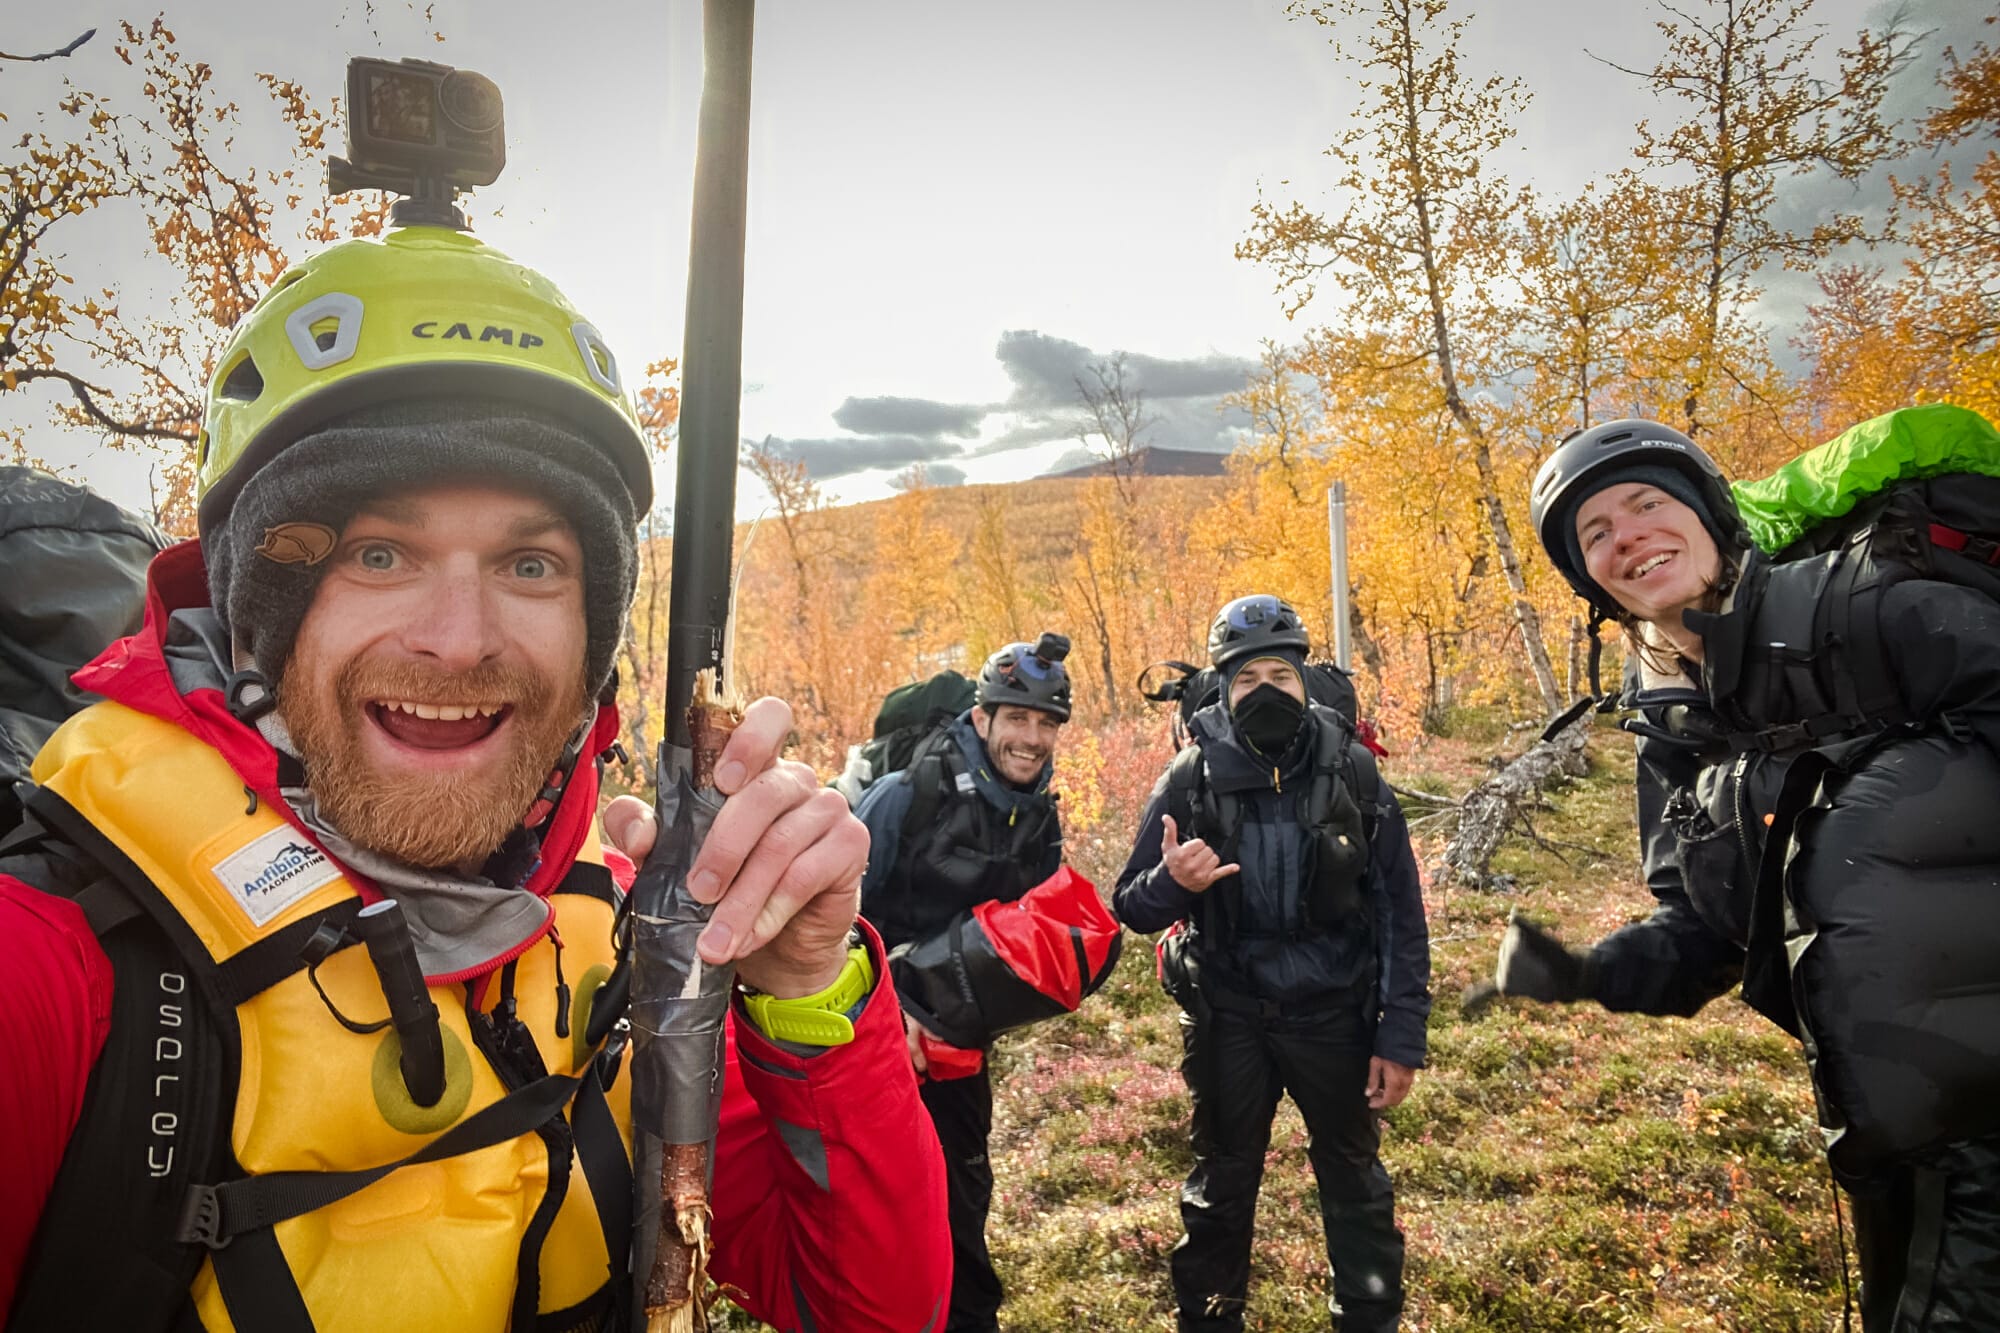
(962, 1110)
(1929, 1239)
(1237, 1064)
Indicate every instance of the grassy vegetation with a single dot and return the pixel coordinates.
(1557, 1169)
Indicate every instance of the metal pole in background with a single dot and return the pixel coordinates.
(1336, 537)
(712, 361)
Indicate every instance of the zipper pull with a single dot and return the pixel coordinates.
(1012, 815)
(562, 988)
(1276, 785)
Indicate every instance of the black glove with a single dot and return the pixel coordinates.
(1533, 965)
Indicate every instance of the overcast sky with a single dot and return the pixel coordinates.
(954, 208)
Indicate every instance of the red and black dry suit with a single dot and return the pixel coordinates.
(947, 835)
(1851, 881)
(214, 1069)
(1291, 975)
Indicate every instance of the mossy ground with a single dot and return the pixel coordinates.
(1557, 1169)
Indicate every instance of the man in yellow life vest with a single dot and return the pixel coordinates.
(301, 942)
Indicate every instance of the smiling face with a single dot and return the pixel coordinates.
(1019, 741)
(1648, 550)
(439, 671)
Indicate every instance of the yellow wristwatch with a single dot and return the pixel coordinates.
(824, 1018)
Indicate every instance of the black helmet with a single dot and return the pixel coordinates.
(1585, 456)
(1254, 626)
(1029, 674)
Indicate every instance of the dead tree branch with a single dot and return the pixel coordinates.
(1490, 810)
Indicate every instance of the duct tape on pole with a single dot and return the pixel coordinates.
(1336, 536)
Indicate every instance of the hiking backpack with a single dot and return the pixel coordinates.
(1911, 494)
(76, 581)
(909, 713)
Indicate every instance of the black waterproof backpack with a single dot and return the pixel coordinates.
(909, 713)
(75, 581)
(1883, 902)
(1919, 495)
(1191, 688)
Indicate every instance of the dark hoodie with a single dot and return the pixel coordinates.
(1272, 958)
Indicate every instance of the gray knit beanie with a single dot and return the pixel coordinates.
(1660, 477)
(265, 560)
(1284, 653)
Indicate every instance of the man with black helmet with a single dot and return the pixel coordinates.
(1300, 959)
(1818, 766)
(970, 821)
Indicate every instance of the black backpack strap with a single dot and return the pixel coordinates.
(1828, 670)
(1793, 636)
(1370, 792)
(1856, 660)
(154, 1111)
(1199, 811)
(601, 1153)
(1184, 784)
(933, 775)
(236, 1218)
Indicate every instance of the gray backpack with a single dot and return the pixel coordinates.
(74, 580)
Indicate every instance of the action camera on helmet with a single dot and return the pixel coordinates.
(423, 130)
(1052, 647)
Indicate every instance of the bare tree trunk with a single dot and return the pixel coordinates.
(1364, 642)
(1489, 494)
(1093, 600)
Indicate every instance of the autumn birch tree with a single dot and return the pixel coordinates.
(1598, 275)
(1757, 113)
(68, 160)
(1952, 226)
(223, 225)
(1418, 243)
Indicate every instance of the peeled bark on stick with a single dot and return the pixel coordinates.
(679, 1004)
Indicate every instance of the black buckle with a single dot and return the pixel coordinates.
(329, 939)
(232, 695)
(201, 1219)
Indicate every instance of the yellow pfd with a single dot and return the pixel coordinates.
(460, 1242)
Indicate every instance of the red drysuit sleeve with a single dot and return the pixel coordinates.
(829, 1183)
(55, 1011)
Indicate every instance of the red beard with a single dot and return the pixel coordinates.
(438, 820)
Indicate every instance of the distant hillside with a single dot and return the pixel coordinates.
(1159, 463)
(1043, 514)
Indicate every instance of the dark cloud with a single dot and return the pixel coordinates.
(827, 459)
(1045, 371)
(1043, 368)
(1197, 377)
(1804, 201)
(1913, 92)
(1181, 397)
(1197, 423)
(908, 416)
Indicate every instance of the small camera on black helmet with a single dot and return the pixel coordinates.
(422, 129)
(1052, 647)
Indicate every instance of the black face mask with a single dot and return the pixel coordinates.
(1267, 719)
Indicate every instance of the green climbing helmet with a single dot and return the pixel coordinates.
(423, 312)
